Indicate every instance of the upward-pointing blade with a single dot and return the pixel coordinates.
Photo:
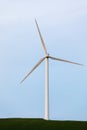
(65, 60)
(33, 69)
(42, 41)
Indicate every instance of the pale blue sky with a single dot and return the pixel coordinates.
(64, 27)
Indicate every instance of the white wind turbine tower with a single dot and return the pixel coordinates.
(46, 58)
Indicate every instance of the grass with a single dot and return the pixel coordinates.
(40, 124)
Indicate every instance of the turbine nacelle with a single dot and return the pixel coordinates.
(47, 56)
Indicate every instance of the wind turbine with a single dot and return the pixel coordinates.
(46, 58)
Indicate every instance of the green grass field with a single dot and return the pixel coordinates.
(40, 124)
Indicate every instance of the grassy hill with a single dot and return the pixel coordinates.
(40, 124)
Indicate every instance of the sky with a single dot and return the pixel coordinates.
(63, 25)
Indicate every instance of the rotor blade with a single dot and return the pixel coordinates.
(42, 41)
(62, 60)
(33, 69)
